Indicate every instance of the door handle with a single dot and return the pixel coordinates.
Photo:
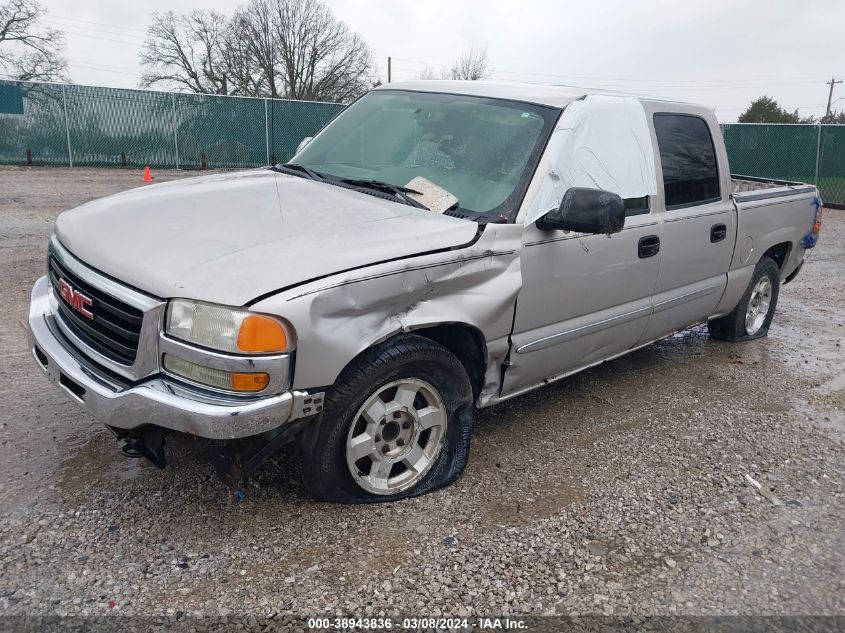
(648, 246)
(718, 232)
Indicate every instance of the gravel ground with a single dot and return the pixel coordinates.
(618, 491)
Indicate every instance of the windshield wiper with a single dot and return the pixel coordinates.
(299, 170)
(385, 187)
(373, 185)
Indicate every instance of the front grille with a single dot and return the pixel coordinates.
(116, 327)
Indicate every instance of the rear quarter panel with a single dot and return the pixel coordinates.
(768, 222)
(762, 224)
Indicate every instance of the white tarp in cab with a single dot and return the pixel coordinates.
(601, 142)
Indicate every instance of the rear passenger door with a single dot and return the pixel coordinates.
(698, 219)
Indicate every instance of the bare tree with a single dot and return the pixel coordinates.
(472, 65)
(305, 52)
(187, 52)
(27, 52)
(429, 73)
(257, 27)
(244, 75)
(277, 48)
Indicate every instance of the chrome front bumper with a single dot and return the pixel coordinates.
(157, 399)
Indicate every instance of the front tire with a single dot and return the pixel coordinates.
(396, 423)
(753, 315)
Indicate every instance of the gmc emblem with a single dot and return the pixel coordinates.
(75, 299)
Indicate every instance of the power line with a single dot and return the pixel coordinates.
(655, 91)
(657, 88)
(126, 72)
(111, 25)
(63, 27)
(104, 39)
(102, 70)
(740, 84)
(801, 107)
(92, 63)
(667, 82)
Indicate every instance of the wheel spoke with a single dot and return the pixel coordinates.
(429, 417)
(416, 459)
(375, 411)
(379, 473)
(361, 446)
(405, 395)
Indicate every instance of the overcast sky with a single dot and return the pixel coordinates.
(719, 53)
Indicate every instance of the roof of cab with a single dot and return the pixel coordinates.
(541, 94)
(555, 96)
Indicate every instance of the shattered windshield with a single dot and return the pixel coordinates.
(481, 151)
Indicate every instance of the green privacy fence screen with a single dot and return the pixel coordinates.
(55, 124)
(805, 153)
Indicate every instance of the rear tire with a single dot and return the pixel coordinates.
(753, 315)
(396, 424)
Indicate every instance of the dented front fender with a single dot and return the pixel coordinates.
(338, 317)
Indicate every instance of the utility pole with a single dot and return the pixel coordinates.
(388, 76)
(831, 83)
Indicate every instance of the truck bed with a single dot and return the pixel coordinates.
(750, 188)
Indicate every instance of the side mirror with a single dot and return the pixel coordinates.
(587, 211)
(303, 143)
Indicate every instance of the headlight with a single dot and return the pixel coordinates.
(227, 329)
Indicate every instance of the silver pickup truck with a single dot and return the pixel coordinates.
(439, 246)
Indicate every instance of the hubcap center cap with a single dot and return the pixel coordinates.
(390, 431)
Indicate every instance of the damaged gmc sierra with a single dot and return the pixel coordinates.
(439, 246)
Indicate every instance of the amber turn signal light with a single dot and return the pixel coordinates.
(249, 382)
(261, 334)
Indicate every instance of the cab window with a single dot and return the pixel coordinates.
(690, 172)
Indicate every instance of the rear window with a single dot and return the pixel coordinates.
(690, 174)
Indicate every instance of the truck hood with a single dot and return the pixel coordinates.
(229, 238)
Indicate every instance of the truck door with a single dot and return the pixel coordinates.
(699, 223)
(584, 298)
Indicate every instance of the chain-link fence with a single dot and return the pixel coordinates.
(56, 124)
(805, 153)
